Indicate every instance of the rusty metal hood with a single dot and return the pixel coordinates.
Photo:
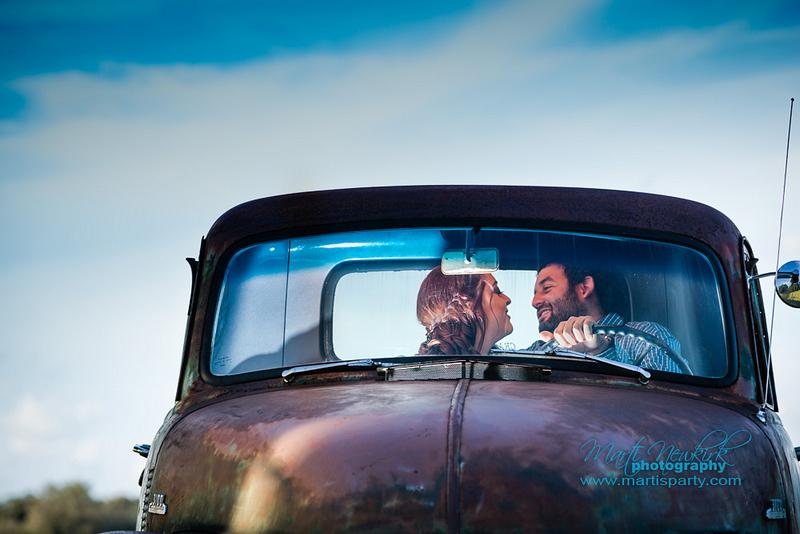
(460, 456)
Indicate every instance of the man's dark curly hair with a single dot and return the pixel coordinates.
(610, 287)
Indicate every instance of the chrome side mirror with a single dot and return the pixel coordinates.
(142, 450)
(787, 283)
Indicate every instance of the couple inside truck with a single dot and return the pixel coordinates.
(468, 314)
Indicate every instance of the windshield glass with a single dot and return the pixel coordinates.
(389, 293)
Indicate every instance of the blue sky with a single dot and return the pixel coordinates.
(126, 128)
(94, 36)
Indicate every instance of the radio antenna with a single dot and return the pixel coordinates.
(778, 258)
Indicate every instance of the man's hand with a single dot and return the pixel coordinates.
(576, 334)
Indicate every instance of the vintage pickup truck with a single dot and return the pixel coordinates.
(474, 359)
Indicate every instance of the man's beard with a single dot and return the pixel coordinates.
(561, 310)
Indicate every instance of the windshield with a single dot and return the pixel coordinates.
(384, 294)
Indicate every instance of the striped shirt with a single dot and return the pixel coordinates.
(631, 350)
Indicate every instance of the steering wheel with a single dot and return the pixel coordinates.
(612, 330)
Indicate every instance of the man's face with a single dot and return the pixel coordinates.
(555, 301)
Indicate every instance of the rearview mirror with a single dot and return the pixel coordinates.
(480, 261)
(787, 283)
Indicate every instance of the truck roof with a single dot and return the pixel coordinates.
(563, 208)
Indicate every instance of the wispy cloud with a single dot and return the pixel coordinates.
(29, 426)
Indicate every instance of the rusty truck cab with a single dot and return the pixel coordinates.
(316, 393)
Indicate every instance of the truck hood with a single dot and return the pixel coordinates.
(464, 455)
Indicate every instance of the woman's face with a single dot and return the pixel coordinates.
(495, 308)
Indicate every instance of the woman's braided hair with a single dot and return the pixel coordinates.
(449, 307)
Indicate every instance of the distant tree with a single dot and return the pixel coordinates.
(66, 509)
(14, 513)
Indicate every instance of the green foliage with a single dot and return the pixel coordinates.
(66, 510)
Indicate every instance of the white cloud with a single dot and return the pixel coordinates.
(29, 426)
(86, 451)
(109, 182)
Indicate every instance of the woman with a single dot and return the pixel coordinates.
(462, 314)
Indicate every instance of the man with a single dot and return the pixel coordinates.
(567, 306)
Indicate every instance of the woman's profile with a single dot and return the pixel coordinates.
(462, 314)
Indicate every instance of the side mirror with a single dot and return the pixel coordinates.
(787, 283)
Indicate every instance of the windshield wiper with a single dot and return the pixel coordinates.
(291, 373)
(552, 348)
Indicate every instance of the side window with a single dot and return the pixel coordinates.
(358, 329)
(374, 311)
